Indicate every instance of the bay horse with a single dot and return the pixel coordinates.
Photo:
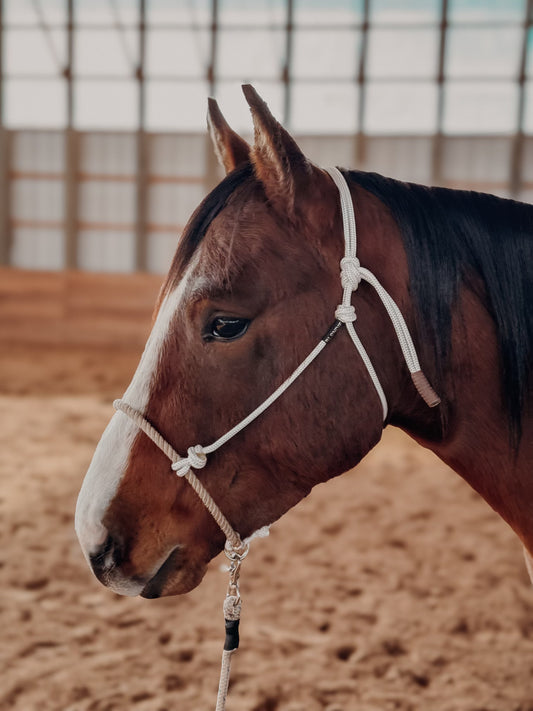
(253, 285)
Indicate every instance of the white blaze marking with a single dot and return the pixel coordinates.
(111, 457)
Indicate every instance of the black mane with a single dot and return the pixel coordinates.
(455, 237)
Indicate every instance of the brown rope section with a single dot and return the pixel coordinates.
(206, 498)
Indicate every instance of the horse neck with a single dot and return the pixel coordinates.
(469, 431)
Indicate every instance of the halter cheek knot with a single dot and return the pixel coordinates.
(345, 313)
(350, 273)
(196, 459)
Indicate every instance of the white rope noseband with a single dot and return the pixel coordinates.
(236, 549)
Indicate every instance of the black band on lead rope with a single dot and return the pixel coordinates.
(232, 635)
(332, 332)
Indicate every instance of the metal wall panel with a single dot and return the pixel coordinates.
(172, 204)
(107, 196)
(106, 251)
(177, 168)
(161, 248)
(108, 154)
(108, 201)
(178, 154)
(474, 160)
(329, 150)
(37, 199)
(405, 158)
(39, 151)
(41, 248)
(527, 161)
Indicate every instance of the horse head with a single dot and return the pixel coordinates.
(253, 286)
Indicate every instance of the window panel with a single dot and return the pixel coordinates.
(410, 12)
(176, 106)
(326, 54)
(33, 52)
(402, 53)
(259, 12)
(185, 12)
(102, 52)
(247, 53)
(483, 11)
(324, 108)
(110, 104)
(35, 104)
(106, 13)
(336, 12)
(474, 52)
(177, 53)
(480, 108)
(235, 108)
(400, 108)
(22, 12)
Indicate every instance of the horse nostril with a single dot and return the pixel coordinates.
(107, 556)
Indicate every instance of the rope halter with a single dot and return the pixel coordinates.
(351, 275)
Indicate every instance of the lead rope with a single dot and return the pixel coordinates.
(236, 549)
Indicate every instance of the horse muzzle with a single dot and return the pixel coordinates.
(173, 574)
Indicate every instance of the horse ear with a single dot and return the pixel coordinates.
(279, 163)
(231, 150)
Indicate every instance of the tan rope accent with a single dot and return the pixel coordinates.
(206, 498)
(425, 390)
(225, 671)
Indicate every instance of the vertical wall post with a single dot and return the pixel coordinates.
(360, 139)
(437, 176)
(5, 163)
(287, 68)
(211, 176)
(517, 147)
(72, 154)
(141, 182)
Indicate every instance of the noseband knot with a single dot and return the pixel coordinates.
(195, 459)
(350, 273)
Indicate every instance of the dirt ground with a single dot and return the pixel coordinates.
(392, 587)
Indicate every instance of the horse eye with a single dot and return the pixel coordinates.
(228, 328)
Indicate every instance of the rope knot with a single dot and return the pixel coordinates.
(345, 313)
(232, 607)
(350, 273)
(196, 459)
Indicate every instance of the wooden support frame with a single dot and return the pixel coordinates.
(72, 154)
(438, 139)
(142, 148)
(287, 68)
(5, 163)
(516, 167)
(360, 144)
(212, 174)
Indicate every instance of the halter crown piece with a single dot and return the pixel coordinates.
(352, 273)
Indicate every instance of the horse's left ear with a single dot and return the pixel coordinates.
(230, 148)
(278, 161)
